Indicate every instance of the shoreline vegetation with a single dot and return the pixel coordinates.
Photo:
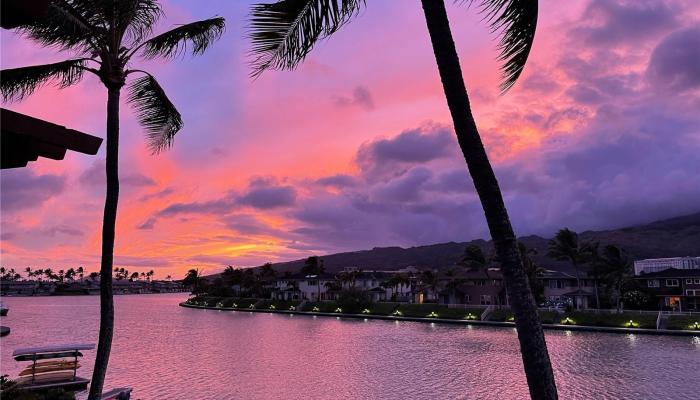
(626, 322)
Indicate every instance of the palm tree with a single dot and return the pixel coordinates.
(106, 35)
(29, 272)
(81, 272)
(474, 258)
(283, 33)
(566, 247)
(533, 271)
(431, 281)
(193, 278)
(615, 268)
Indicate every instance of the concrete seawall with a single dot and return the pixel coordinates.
(559, 327)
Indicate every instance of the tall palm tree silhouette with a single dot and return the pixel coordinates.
(106, 35)
(283, 33)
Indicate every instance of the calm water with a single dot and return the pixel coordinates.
(166, 351)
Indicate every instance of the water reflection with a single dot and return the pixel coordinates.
(197, 354)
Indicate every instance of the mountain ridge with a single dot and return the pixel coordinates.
(673, 237)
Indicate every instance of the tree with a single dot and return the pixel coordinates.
(474, 258)
(193, 278)
(106, 35)
(615, 269)
(81, 272)
(566, 246)
(134, 277)
(283, 33)
(314, 266)
(533, 271)
(430, 281)
(29, 272)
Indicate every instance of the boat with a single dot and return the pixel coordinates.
(3, 310)
(4, 331)
(52, 367)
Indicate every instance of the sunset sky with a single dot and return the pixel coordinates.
(355, 149)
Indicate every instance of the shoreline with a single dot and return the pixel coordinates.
(81, 294)
(560, 327)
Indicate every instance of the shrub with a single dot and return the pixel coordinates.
(622, 320)
(683, 322)
(437, 311)
(353, 301)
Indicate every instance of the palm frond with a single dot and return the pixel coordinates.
(18, 83)
(200, 35)
(516, 21)
(155, 112)
(283, 33)
(138, 18)
(66, 27)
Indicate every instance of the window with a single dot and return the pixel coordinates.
(653, 283)
(688, 281)
(467, 299)
(485, 299)
(311, 283)
(556, 284)
(696, 281)
(692, 292)
(671, 282)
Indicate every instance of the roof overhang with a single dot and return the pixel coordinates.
(25, 139)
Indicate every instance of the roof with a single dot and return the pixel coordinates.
(578, 292)
(672, 273)
(52, 349)
(26, 138)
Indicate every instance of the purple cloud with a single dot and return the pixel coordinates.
(609, 22)
(675, 62)
(95, 175)
(267, 197)
(360, 97)
(22, 188)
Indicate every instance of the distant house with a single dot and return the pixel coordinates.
(675, 289)
(482, 287)
(562, 287)
(18, 288)
(660, 264)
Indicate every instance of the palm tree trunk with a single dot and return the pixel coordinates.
(104, 344)
(538, 367)
(578, 283)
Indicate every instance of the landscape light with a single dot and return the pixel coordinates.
(292, 308)
(511, 318)
(695, 326)
(365, 311)
(433, 314)
(234, 305)
(632, 324)
(272, 307)
(568, 321)
(398, 313)
(251, 306)
(338, 309)
(315, 309)
(471, 316)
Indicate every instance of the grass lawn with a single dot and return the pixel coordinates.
(382, 308)
(647, 321)
(320, 306)
(683, 322)
(438, 311)
(278, 305)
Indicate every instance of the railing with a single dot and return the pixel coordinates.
(487, 312)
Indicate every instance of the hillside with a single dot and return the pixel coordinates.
(673, 237)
